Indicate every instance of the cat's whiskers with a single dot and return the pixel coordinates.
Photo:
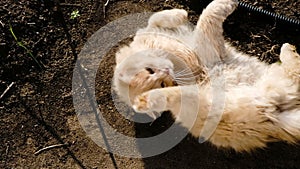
(182, 83)
(185, 72)
(183, 80)
(184, 75)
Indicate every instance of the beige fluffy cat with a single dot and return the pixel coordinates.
(171, 65)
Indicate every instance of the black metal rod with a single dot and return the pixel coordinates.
(277, 17)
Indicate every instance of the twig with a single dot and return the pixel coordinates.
(7, 89)
(38, 41)
(67, 4)
(104, 6)
(7, 149)
(2, 24)
(50, 147)
(106, 3)
(168, 6)
(271, 51)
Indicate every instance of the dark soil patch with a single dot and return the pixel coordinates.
(38, 110)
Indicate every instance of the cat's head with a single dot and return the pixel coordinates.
(142, 72)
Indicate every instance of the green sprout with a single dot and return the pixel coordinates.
(75, 14)
(19, 43)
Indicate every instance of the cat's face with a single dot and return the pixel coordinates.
(142, 72)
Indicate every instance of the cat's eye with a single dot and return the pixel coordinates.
(163, 84)
(151, 71)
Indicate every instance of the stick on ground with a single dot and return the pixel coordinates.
(104, 6)
(7, 89)
(49, 147)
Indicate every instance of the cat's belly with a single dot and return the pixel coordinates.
(236, 75)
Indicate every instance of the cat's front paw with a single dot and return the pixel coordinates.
(180, 14)
(223, 7)
(169, 18)
(151, 101)
(228, 2)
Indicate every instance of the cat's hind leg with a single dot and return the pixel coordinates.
(209, 40)
(288, 54)
(168, 18)
(290, 60)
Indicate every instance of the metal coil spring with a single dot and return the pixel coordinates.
(275, 16)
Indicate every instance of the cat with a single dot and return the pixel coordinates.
(168, 33)
(172, 66)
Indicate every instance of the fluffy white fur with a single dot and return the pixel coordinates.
(261, 102)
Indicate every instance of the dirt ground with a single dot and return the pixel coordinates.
(37, 111)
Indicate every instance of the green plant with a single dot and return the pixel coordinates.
(75, 14)
(19, 43)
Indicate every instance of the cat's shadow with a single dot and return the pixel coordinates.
(189, 153)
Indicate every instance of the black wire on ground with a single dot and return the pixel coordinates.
(277, 17)
(199, 5)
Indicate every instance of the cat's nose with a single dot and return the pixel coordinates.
(166, 70)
